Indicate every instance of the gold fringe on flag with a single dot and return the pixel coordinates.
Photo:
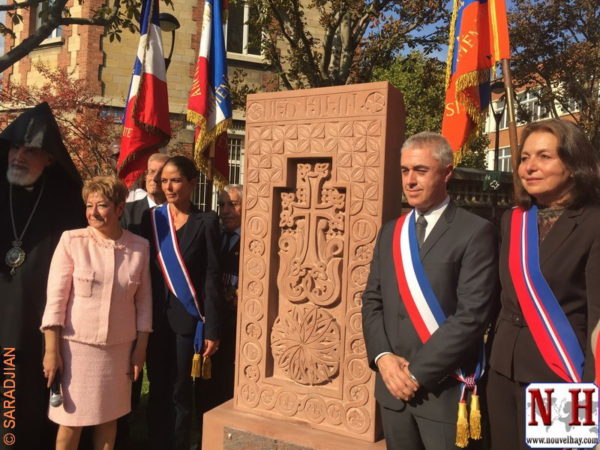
(219, 179)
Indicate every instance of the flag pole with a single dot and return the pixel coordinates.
(210, 175)
(510, 105)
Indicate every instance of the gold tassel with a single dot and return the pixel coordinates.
(462, 426)
(196, 366)
(206, 368)
(475, 418)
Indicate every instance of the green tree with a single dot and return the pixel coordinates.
(556, 57)
(113, 15)
(421, 80)
(315, 43)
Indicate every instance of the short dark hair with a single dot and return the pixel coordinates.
(186, 166)
(576, 153)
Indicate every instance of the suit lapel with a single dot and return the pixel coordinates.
(559, 232)
(440, 228)
(192, 228)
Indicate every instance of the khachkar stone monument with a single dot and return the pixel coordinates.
(322, 172)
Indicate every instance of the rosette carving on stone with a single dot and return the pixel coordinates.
(311, 245)
(305, 341)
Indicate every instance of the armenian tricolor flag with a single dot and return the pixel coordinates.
(209, 105)
(146, 125)
(478, 40)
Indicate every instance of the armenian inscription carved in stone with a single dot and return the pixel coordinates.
(317, 163)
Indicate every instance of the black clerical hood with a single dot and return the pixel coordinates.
(37, 128)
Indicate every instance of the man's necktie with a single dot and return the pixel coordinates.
(421, 227)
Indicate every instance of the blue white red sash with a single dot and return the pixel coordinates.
(551, 330)
(420, 301)
(173, 267)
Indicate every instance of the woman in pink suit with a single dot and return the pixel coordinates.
(97, 319)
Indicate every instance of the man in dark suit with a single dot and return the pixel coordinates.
(219, 388)
(415, 387)
(134, 211)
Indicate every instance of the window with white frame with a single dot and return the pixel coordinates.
(57, 32)
(242, 37)
(235, 147)
(530, 103)
(504, 164)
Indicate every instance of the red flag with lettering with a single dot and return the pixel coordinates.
(146, 125)
(478, 40)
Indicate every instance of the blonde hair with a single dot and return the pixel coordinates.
(110, 187)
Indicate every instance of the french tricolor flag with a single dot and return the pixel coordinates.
(146, 126)
(209, 104)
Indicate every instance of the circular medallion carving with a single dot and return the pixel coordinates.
(267, 398)
(357, 369)
(255, 288)
(287, 403)
(257, 226)
(355, 323)
(257, 247)
(249, 394)
(305, 342)
(358, 346)
(252, 352)
(253, 330)
(359, 394)
(253, 309)
(252, 373)
(255, 267)
(359, 275)
(357, 419)
(375, 102)
(256, 111)
(315, 409)
(364, 230)
(335, 413)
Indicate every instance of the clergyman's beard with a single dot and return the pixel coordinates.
(20, 176)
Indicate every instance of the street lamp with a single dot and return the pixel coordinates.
(169, 22)
(498, 87)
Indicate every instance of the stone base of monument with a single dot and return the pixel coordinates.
(228, 429)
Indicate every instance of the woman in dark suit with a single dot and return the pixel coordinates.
(557, 188)
(187, 299)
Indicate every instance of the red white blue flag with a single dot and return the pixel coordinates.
(146, 126)
(209, 104)
(478, 40)
(551, 330)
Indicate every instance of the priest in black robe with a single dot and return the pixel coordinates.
(40, 197)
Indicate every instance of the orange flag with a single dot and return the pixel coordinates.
(478, 40)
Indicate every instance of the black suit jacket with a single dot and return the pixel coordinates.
(199, 247)
(133, 216)
(570, 263)
(460, 260)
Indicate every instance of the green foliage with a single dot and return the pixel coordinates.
(315, 43)
(421, 81)
(475, 157)
(556, 56)
(114, 16)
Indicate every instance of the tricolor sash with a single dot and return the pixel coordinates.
(549, 326)
(426, 315)
(174, 270)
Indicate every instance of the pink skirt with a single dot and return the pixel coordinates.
(95, 384)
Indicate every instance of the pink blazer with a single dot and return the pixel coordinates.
(99, 290)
